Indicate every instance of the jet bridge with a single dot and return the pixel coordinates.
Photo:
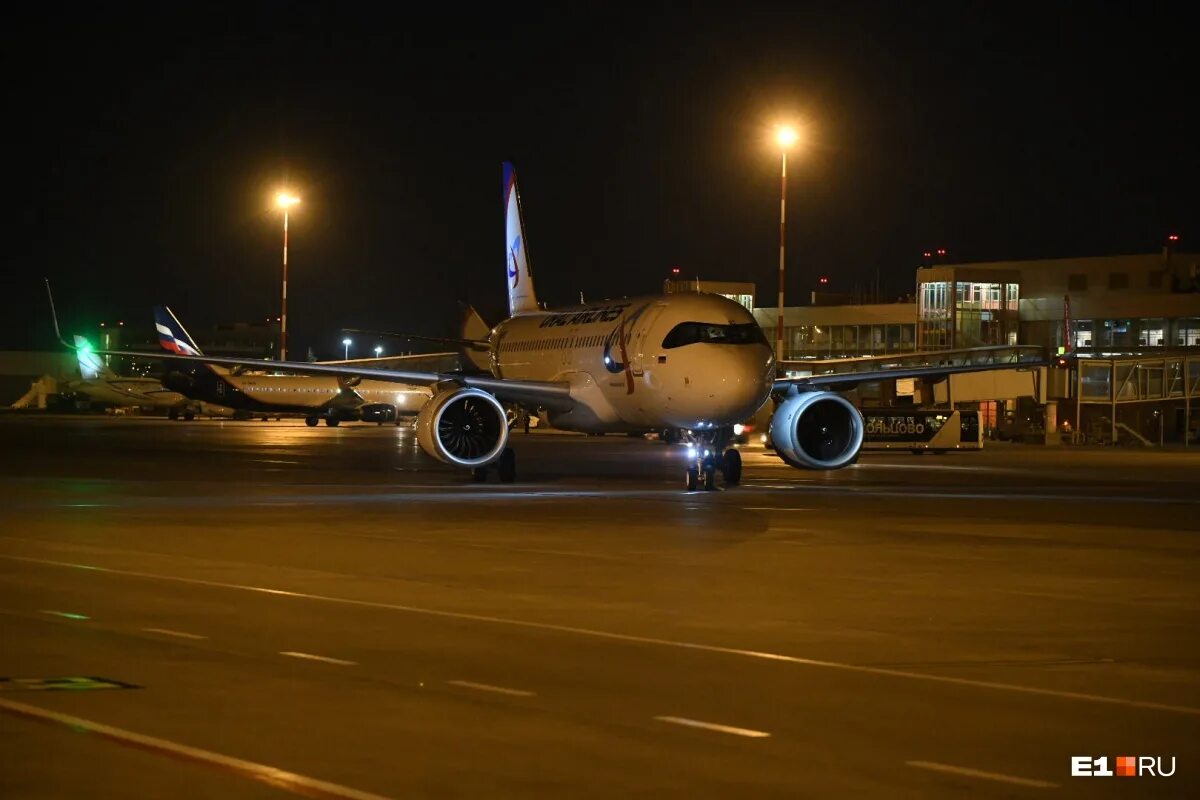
(1142, 399)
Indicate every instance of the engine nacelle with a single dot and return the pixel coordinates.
(464, 427)
(817, 430)
(377, 412)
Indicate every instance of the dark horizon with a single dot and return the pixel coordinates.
(148, 141)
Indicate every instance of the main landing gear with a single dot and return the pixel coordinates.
(505, 466)
(704, 448)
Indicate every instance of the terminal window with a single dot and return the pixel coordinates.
(1188, 332)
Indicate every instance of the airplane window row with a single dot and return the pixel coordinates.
(554, 344)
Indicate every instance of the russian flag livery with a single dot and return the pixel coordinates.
(173, 337)
(521, 297)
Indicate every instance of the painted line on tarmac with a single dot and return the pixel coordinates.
(66, 615)
(773, 508)
(177, 634)
(967, 772)
(341, 662)
(1097, 496)
(487, 687)
(712, 726)
(272, 776)
(636, 639)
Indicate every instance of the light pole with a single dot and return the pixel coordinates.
(378, 350)
(786, 137)
(346, 343)
(285, 201)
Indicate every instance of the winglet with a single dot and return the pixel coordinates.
(54, 316)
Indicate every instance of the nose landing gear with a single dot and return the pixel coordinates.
(705, 449)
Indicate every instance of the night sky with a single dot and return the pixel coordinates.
(145, 143)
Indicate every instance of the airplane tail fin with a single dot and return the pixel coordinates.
(521, 296)
(91, 366)
(173, 337)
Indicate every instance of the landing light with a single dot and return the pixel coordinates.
(691, 451)
(739, 429)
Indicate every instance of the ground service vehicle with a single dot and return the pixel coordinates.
(921, 430)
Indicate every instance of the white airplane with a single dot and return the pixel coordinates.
(694, 362)
(314, 397)
(100, 384)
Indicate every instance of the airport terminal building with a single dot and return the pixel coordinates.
(1134, 320)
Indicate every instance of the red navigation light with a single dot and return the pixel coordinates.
(1173, 238)
(674, 270)
(941, 251)
(824, 280)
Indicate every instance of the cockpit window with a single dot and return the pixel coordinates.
(693, 332)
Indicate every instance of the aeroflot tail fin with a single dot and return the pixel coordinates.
(173, 337)
(91, 366)
(521, 297)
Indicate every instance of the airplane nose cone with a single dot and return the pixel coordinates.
(728, 383)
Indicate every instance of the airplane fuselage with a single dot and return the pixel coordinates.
(145, 392)
(305, 395)
(662, 361)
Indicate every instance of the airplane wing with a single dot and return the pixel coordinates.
(384, 362)
(844, 381)
(480, 345)
(538, 393)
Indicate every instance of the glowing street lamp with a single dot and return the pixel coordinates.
(346, 343)
(785, 137)
(284, 200)
(378, 350)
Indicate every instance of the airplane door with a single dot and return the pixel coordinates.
(643, 348)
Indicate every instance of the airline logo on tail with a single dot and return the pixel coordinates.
(513, 272)
(173, 337)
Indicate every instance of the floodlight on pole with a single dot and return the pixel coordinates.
(785, 137)
(284, 200)
(378, 350)
(346, 343)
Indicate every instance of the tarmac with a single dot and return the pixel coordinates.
(249, 609)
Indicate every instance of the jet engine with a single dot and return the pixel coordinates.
(466, 427)
(377, 412)
(817, 430)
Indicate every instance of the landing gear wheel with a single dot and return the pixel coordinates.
(693, 479)
(311, 421)
(332, 421)
(479, 474)
(189, 415)
(506, 466)
(732, 467)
